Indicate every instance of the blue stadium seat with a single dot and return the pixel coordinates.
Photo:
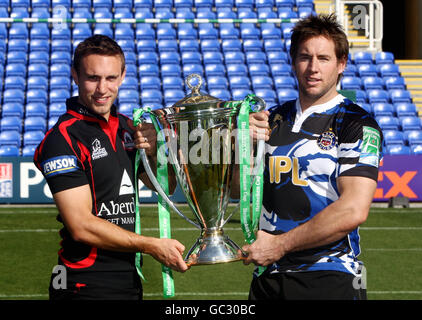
(277, 57)
(130, 83)
(56, 109)
(127, 109)
(281, 70)
(285, 3)
(29, 150)
(232, 45)
(215, 70)
(413, 136)
(62, 34)
(12, 123)
(12, 109)
(240, 94)
(148, 70)
(14, 82)
(191, 57)
(351, 83)
(394, 83)
(228, 31)
(40, 4)
(172, 83)
(210, 45)
(405, 109)
(166, 31)
(144, 32)
(36, 96)
(167, 4)
(16, 69)
(388, 123)
(239, 82)
(256, 57)
(367, 107)
(58, 95)
(188, 69)
(212, 57)
(14, 95)
(128, 96)
(170, 57)
(410, 123)
(373, 83)
(34, 124)
(270, 31)
(393, 137)
(262, 82)
(383, 109)
(40, 32)
(398, 149)
(142, 4)
(249, 31)
(268, 95)
(39, 45)
(367, 70)
(81, 4)
(187, 32)
(361, 96)
(287, 13)
(145, 45)
(34, 137)
(39, 57)
(219, 4)
(147, 57)
(9, 151)
(173, 95)
(81, 31)
(151, 96)
(38, 70)
(60, 82)
(286, 95)
(384, 57)
(60, 57)
(222, 94)
(350, 71)
(207, 31)
(61, 45)
(252, 45)
(377, 95)
(416, 149)
(215, 82)
(363, 57)
(17, 57)
(259, 69)
(36, 109)
(10, 138)
(150, 82)
(397, 95)
(167, 45)
(171, 70)
(237, 70)
(234, 57)
(37, 83)
(388, 70)
(273, 45)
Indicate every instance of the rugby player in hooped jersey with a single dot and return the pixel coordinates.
(321, 167)
(87, 159)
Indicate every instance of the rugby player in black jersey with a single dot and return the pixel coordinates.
(87, 159)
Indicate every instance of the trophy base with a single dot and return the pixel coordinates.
(213, 247)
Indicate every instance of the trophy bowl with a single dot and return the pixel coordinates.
(199, 133)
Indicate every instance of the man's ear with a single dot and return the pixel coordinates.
(74, 75)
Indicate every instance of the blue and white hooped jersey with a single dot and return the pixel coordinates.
(304, 156)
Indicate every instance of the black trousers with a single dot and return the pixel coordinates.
(98, 286)
(312, 285)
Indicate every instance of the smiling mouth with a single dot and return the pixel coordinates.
(100, 100)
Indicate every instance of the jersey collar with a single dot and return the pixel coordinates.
(302, 116)
(72, 104)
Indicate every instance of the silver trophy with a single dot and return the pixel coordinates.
(200, 145)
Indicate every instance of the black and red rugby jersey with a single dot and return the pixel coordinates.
(83, 148)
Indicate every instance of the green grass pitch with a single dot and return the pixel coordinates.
(391, 242)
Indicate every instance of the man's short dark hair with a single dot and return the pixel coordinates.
(320, 25)
(97, 44)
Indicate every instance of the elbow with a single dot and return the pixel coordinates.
(356, 218)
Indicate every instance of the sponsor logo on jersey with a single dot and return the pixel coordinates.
(371, 142)
(98, 151)
(128, 141)
(59, 165)
(327, 140)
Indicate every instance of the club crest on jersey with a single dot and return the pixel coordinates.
(98, 151)
(327, 140)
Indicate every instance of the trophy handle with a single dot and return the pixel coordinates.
(159, 189)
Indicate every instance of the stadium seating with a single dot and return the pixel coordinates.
(234, 59)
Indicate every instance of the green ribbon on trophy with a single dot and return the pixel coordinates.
(163, 208)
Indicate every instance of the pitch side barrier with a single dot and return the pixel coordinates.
(22, 183)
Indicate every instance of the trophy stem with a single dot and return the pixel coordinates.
(213, 247)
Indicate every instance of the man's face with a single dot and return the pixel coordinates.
(99, 80)
(317, 70)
